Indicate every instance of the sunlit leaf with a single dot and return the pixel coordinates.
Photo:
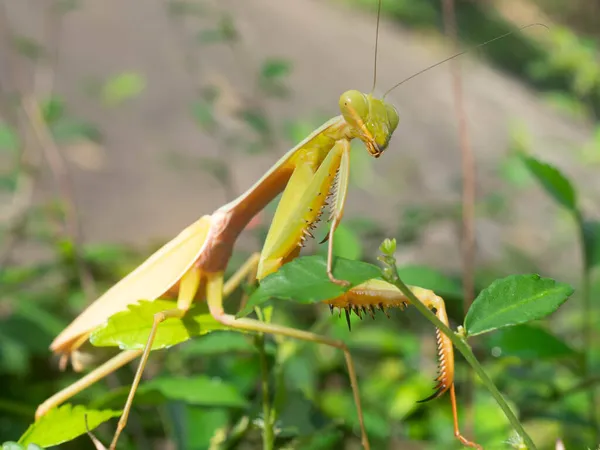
(64, 424)
(130, 329)
(554, 182)
(513, 170)
(528, 342)
(122, 87)
(16, 446)
(305, 280)
(514, 300)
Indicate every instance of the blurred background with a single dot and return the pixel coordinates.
(153, 113)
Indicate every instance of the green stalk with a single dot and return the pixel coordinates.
(268, 433)
(391, 276)
(588, 322)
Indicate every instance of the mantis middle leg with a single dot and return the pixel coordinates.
(214, 296)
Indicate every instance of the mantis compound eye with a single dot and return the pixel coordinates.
(393, 117)
(354, 107)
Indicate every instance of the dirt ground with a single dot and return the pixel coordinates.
(126, 193)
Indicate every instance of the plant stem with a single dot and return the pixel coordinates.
(391, 275)
(268, 434)
(588, 323)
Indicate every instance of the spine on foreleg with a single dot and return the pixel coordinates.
(376, 295)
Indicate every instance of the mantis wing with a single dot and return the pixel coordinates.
(148, 281)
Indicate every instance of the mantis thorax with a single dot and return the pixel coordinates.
(372, 120)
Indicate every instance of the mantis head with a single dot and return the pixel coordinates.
(372, 120)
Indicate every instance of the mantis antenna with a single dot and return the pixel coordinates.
(376, 46)
(462, 53)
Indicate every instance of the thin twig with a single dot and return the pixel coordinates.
(14, 215)
(468, 194)
(62, 177)
(33, 117)
(459, 342)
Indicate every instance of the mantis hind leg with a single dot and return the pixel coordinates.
(83, 383)
(445, 378)
(187, 291)
(214, 289)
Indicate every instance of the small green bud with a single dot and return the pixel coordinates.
(388, 247)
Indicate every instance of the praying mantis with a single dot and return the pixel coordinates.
(310, 176)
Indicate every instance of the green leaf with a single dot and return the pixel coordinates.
(64, 424)
(554, 182)
(514, 300)
(15, 446)
(346, 244)
(275, 68)
(218, 343)
(122, 87)
(225, 32)
(200, 390)
(202, 426)
(341, 405)
(257, 121)
(68, 130)
(513, 170)
(28, 47)
(204, 115)
(9, 140)
(129, 329)
(305, 280)
(528, 342)
(53, 109)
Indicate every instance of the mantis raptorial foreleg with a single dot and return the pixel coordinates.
(84, 382)
(378, 294)
(337, 210)
(302, 203)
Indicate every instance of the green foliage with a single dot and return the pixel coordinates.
(514, 300)
(122, 87)
(346, 243)
(305, 280)
(199, 390)
(9, 141)
(64, 424)
(209, 392)
(540, 343)
(16, 446)
(554, 182)
(129, 329)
